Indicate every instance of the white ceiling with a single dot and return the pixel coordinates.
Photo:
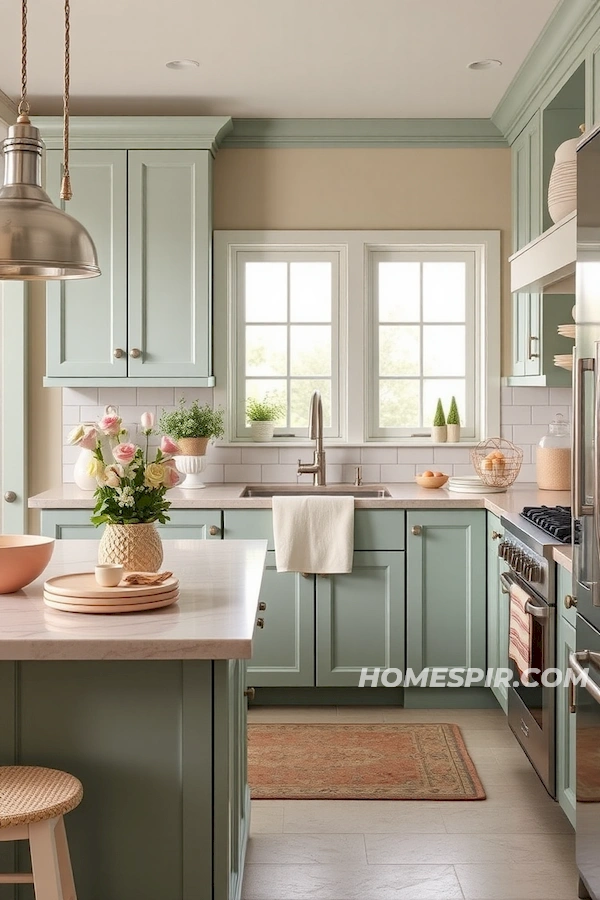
(279, 58)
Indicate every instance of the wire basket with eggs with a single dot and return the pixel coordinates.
(497, 461)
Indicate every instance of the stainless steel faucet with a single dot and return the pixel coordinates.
(315, 432)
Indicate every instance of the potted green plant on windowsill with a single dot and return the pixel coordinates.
(439, 432)
(262, 415)
(453, 423)
(192, 427)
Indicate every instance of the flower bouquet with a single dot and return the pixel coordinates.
(131, 490)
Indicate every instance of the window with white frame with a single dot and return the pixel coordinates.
(381, 323)
(423, 345)
(285, 324)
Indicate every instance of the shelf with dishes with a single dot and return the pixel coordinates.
(565, 360)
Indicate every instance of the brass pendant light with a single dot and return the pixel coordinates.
(38, 241)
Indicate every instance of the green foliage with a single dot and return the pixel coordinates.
(266, 410)
(196, 421)
(439, 418)
(133, 502)
(453, 416)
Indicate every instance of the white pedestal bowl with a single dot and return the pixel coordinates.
(191, 467)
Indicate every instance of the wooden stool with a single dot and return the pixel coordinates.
(33, 801)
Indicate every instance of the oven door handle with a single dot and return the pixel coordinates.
(538, 612)
(506, 581)
(575, 660)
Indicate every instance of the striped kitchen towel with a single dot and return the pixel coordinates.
(520, 634)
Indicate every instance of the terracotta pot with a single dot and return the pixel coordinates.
(138, 548)
(439, 434)
(453, 433)
(194, 446)
(261, 431)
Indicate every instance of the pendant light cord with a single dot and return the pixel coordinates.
(23, 109)
(65, 191)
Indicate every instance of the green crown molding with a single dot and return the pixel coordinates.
(557, 52)
(261, 133)
(136, 132)
(8, 109)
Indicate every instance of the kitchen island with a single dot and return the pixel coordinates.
(148, 710)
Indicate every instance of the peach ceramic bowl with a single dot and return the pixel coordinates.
(22, 558)
(431, 481)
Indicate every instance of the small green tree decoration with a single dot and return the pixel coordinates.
(439, 420)
(453, 417)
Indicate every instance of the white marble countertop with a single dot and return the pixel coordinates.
(213, 619)
(563, 555)
(403, 496)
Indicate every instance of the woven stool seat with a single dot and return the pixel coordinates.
(33, 793)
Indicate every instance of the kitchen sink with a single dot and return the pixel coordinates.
(368, 491)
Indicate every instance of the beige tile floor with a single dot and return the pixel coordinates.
(516, 845)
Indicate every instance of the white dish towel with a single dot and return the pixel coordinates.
(313, 534)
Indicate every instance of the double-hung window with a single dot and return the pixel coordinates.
(383, 324)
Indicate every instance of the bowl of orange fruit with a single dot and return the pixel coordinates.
(429, 479)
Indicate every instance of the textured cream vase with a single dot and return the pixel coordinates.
(261, 431)
(562, 188)
(138, 548)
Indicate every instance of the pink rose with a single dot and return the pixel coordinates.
(112, 475)
(89, 439)
(124, 453)
(110, 424)
(171, 478)
(169, 446)
(147, 420)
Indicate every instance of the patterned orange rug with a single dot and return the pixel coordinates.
(360, 762)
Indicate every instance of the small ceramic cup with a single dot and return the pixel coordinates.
(109, 574)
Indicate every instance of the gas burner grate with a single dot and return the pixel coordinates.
(554, 520)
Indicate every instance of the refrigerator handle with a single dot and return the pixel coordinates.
(580, 508)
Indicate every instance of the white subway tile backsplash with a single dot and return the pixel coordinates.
(543, 415)
(525, 414)
(530, 396)
(67, 474)
(277, 473)
(519, 415)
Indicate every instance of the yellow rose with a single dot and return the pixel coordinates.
(96, 469)
(154, 475)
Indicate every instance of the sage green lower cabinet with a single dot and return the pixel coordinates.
(160, 748)
(497, 608)
(283, 652)
(565, 720)
(184, 524)
(360, 618)
(446, 589)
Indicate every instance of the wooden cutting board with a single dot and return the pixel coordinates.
(109, 601)
(101, 609)
(83, 585)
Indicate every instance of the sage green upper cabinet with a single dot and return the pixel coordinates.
(143, 189)
(360, 618)
(527, 183)
(446, 589)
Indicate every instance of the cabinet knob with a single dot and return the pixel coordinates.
(213, 530)
(10, 496)
(118, 353)
(135, 353)
(260, 623)
(416, 529)
(496, 535)
(262, 605)
(570, 601)
(250, 693)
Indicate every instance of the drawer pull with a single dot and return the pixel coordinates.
(213, 530)
(570, 601)
(262, 605)
(260, 623)
(496, 535)
(250, 693)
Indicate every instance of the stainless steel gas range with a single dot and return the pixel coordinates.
(531, 709)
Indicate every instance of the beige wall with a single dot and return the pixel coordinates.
(387, 188)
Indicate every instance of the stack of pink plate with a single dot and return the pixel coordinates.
(81, 593)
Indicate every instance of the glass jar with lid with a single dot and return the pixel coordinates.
(553, 458)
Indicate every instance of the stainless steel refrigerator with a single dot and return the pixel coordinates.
(586, 511)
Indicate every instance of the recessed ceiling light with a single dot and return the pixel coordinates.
(182, 64)
(485, 64)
